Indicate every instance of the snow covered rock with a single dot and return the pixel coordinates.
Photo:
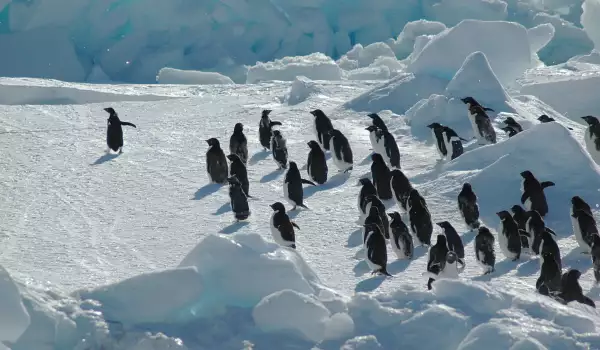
(302, 88)
(177, 76)
(14, 318)
(314, 66)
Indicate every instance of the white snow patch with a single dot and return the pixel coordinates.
(369, 73)
(314, 66)
(14, 319)
(301, 90)
(403, 45)
(177, 76)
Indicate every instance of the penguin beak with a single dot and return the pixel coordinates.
(390, 215)
(499, 214)
(272, 206)
(439, 224)
(207, 141)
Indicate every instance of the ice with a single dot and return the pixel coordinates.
(14, 319)
(403, 45)
(451, 12)
(302, 88)
(178, 76)
(589, 21)
(315, 66)
(369, 73)
(567, 42)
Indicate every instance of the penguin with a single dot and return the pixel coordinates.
(520, 216)
(437, 259)
(292, 187)
(449, 144)
(282, 228)
(513, 125)
(381, 177)
(549, 282)
(452, 267)
(548, 246)
(401, 187)
(482, 125)
(584, 228)
(238, 144)
(401, 242)
(265, 127)
(484, 250)
(279, 150)
(545, 119)
(238, 169)
(373, 218)
(571, 290)
(468, 207)
(470, 101)
(114, 131)
(238, 199)
(592, 137)
(377, 121)
(579, 204)
(596, 257)
(511, 132)
(535, 225)
(392, 152)
(420, 218)
(374, 202)
(533, 196)
(455, 243)
(341, 151)
(509, 238)
(322, 126)
(367, 190)
(377, 139)
(375, 250)
(216, 162)
(316, 165)
(438, 138)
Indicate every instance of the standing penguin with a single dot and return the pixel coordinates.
(453, 266)
(596, 257)
(438, 138)
(322, 126)
(341, 151)
(484, 249)
(238, 144)
(482, 125)
(401, 240)
(571, 289)
(550, 275)
(392, 152)
(316, 165)
(401, 187)
(367, 190)
(216, 162)
(533, 193)
(437, 259)
(535, 227)
(511, 132)
(292, 186)
(455, 243)
(513, 125)
(381, 177)
(509, 238)
(548, 246)
(238, 199)
(373, 218)
(375, 250)
(377, 121)
(448, 142)
(468, 207)
(383, 141)
(420, 218)
(592, 137)
(279, 149)
(377, 139)
(282, 228)
(265, 127)
(374, 202)
(586, 218)
(114, 132)
(520, 216)
(238, 169)
(470, 101)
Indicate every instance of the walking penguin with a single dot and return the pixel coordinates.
(265, 127)
(216, 162)
(238, 199)
(114, 132)
(238, 144)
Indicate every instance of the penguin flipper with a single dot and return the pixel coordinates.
(128, 124)
(308, 182)
(524, 197)
(273, 123)
(545, 184)
(295, 225)
(488, 109)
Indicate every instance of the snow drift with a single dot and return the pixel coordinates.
(589, 21)
(14, 319)
(177, 76)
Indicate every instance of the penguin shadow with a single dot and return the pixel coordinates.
(272, 176)
(223, 209)
(500, 269)
(206, 191)
(528, 268)
(468, 237)
(594, 292)
(105, 158)
(292, 214)
(258, 156)
(234, 227)
(361, 268)
(327, 155)
(354, 239)
(366, 161)
(400, 265)
(335, 181)
(370, 284)
(577, 260)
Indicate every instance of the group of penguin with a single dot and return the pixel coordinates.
(523, 231)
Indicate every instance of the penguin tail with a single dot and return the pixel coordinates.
(384, 271)
(463, 139)
(303, 206)
(308, 182)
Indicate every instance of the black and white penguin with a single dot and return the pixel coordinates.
(549, 282)
(470, 101)
(374, 202)
(535, 227)
(437, 259)
(216, 162)
(592, 137)
(114, 131)
(533, 197)
(520, 216)
(341, 153)
(377, 121)
(377, 139)
(238, 199)
(548, 246)
(452, 267)
(292, 186)
(513, 125)
(322, 126)
(482, 125)
(381, 177)
(420, 218)
(282, 228)
(265, 128)
(571, 289)
(545, 119)
(484, 250)
(596, 257)
(279, 149)
(511, 132)
(373, 218)
(238, 144)
(401, 240)
(438, 138)
(316, 165)
(584, 240)
(367, 190)
(449, 144)
(455, 243)
(509, 238)
(468, 207)
(375, 250)
(238, 169)
(401, 187)
(392, 152)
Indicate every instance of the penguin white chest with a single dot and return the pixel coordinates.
(373, 266)
(503, 243)
(286, 193)
(450, 271)
(275, 232)
(578, 234)
(474, 125)
(527, 203)
(437, 145)
(590, 146)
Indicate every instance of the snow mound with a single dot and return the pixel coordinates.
(441, 109)
(540, 36)
(403, 45)
(589, 21)
(505, 44)
(475, 78)
(315, 66)
(14, 318)
(567, 41)
(369, 73)
(176, 76)
(451, 12)
(360, 57)
(302, 88)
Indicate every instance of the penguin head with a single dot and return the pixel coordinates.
(517, 209)
(313, 144)
(503, 215)
(413, 194)
(578, 202)
(365, 181)
(572, 275)
(377, 158)
(510, 121)
(484, 230)
(544, 118)
(434, 126)
(527, 174)
(373, 116)
(317, 113)
(278, 206)
(265, 113)
(451, 257)
(233, 157)
(441, 240)
(469, 100)
(395, 216)
(591, 120)
(467, 187)
(276, 133)
(444, 225)
(110, 111)
(213, 142)
(233, 180)
(238, 128)
(293, 166)
(334, 132)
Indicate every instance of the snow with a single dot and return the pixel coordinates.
(314, 66)
(14, 319)
(591, 11)
(178, 76)
(302, 88)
